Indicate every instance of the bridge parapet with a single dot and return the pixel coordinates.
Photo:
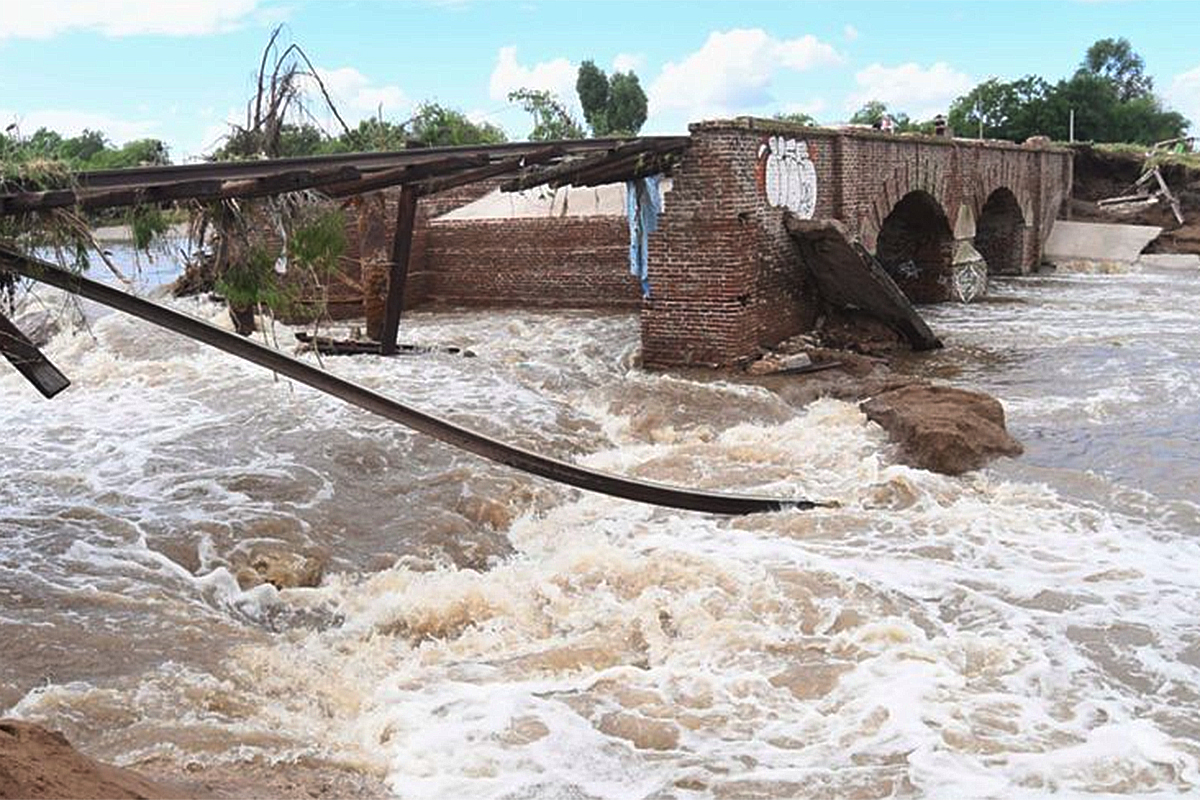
(726, 278)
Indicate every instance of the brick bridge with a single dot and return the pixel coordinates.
(727, 277)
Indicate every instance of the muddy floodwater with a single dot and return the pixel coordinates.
(1033, 627)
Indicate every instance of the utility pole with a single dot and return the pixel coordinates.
(1071, 127)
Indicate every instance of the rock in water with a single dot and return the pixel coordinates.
(37, 763)
(942, 429)
(280, 568)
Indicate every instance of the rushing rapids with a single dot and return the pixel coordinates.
(479, 633)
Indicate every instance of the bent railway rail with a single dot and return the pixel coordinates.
(440, 429)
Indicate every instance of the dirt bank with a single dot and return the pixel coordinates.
(37, 763)
(1101, 173)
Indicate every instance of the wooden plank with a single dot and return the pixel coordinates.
(287, 182)
(435, 185)
(405, 175)
(204, 190)
(638, 166)
(406, 214)
(620, 163)
(21, 202)
(29, 361)
(364, 162)
(1175, 209)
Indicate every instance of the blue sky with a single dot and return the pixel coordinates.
(179, 70)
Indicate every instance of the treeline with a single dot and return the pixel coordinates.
(90, 150)
(433, 125)
(612, 105)
(1111, 95)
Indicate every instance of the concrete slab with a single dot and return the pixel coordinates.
(1184, 261)
(848, 277)
(1096, 241)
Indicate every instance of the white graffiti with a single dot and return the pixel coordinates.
(791, 178)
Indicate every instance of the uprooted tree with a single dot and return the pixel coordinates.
(245, 247)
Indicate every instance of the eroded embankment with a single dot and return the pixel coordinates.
(1101, 174)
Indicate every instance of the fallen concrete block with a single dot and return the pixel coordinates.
(1096, 241)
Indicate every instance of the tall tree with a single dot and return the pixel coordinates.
(1012, 110)
(1115, 61)
(1109, 96)
(615, 105)
(627, 104)
(591, 85)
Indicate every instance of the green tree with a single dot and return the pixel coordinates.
(551, 119)
(438, 126)
(1012, 110)
(871, 112)
(302, 140)
(1115, 61)
(591, 85)
(138, 153)
(84, 147)
(611, 106)
(627, 104)
(44, 143)
(373, 135)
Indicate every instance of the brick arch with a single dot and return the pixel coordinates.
(915, 245)
(1008, 173)
(931, 178)
(1000, 232)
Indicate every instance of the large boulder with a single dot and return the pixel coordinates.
(942, 429)
(37, 763)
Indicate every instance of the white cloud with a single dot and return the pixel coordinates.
(1184, 96)
(42, 20)
(733, 71)
(72, 123)
(850, 33)
(355, 95)
(557, 76)
(628, 62)
(921, 93)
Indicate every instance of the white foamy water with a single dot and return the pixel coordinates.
(1024, 630)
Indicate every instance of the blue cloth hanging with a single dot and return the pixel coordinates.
(643, 204)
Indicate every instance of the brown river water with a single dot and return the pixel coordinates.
(1027, 629)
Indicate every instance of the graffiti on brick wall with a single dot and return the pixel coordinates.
(787, 176)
